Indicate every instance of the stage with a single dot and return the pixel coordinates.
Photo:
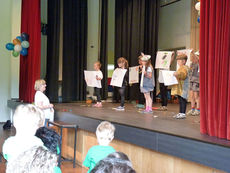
(158, 131)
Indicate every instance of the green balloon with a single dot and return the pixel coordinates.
(15, 54)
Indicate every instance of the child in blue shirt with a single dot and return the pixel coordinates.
(105, 134)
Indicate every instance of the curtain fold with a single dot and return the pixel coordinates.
(53, 40)
(215, 68)
(74, 50)
(104, 47)
(30, 65)
(136, 31)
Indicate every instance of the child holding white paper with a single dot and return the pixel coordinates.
(182, 88)
(123, 64)
(97, 90)
(147, 82)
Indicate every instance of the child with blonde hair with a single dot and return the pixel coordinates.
(123, 64)
(99, 77)
(194, 80)
(105, 134)
(27, 119)
(181, 89)
(147, 82)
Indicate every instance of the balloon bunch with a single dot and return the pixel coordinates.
(20, 45)
(197, 7)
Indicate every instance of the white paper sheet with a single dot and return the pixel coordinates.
(163, 59)
(117, 77)
(168, 77)
(188, 53)
(142, 76)
(134, 74)
(90, 78)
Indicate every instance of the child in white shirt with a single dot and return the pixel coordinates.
(97, 90)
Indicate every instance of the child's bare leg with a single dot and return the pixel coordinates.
(197, 99)
(146, 100)
(193, 101)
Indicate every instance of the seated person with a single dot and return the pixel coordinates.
(50, 138)
(35, 160)
(27, 119)
(105, 134)
(114, 163)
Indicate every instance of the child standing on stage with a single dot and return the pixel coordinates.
(181, 89)
(194, 79)
(105, 134)
(147, 82)
(123, 64)
(141, 98)
(99, 77)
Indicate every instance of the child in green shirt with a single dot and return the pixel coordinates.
(105, 134)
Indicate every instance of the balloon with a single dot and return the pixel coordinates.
(19, 38)
(25, 36)
(24, 52)
(17, 48)
(198, 19)
(16, 41)
(15, 54)
(10, 46)
(25, 44)
(197, 6)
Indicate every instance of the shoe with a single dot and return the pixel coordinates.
(140, 106)
(120, 108)
(190, 112)
(99, 105)
(95, 105)
(196, 113)
(146, 111)
(163, 108)
(181, 116)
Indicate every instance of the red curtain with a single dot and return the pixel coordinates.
(215, 68)
(30, 65)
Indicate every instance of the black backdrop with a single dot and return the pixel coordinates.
(53, 39)
(136, 30)
(74, 49)
(104, 47)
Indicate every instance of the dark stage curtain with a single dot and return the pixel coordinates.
(136, 31)
(104, 47)
(53, 40)
(215, 68)
(74, 49)
(30, 65)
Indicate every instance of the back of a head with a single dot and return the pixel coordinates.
(28, 118)
(105, 132)
(34, 160)
(118, 155)
(50, 138)
(113, 165)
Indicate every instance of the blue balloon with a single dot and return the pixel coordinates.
(10, 46)
(25, 36)
(24, 52)
(19, 38)
(198, 19)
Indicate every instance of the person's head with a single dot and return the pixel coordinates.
(105, 133)
(97, 66)
(40, 85)
(50, 138)
(146, 60)
(194, 57)
(181, 59)
(122, 63)
(27, 119)
(113, 165)
(34, 160)
(120, 155)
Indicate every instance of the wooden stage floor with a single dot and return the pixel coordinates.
(158, 121)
